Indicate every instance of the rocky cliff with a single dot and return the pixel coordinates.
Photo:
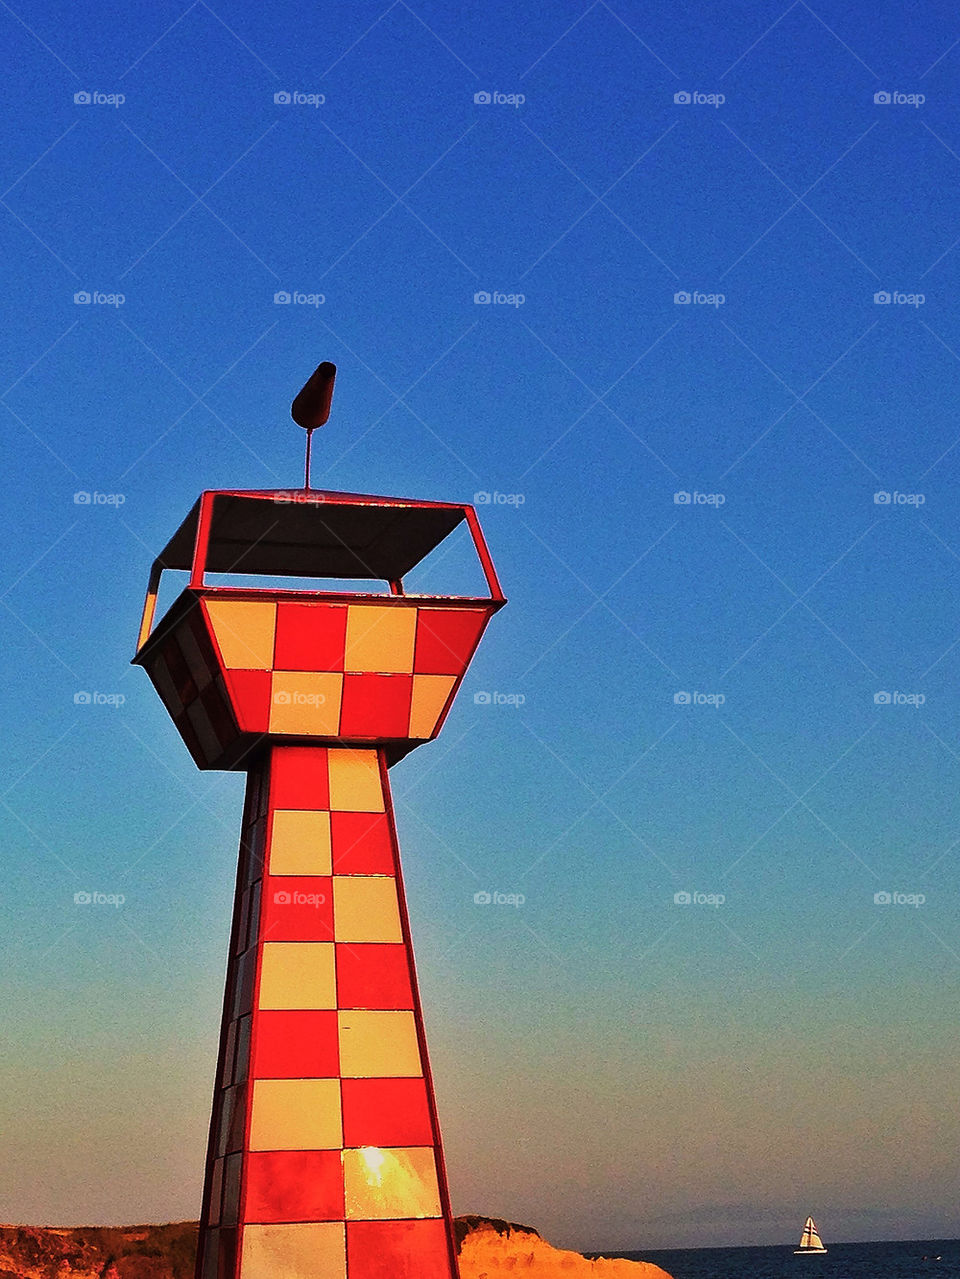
(488, 1247)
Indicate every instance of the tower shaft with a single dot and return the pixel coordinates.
(324, 1158)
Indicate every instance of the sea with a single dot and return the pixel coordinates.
(900, 1260)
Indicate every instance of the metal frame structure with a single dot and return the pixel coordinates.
(198, 525)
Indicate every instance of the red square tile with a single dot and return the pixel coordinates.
(446, 639)
(297, 908)
(373, 975)
(361, 844)
(375, 705)
(386, 1112)
(299, 777)
(310, 637)
(296, 1045)
(398, 1249)
(249, 693)
(293, 1185)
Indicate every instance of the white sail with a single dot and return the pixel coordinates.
(810, 1240)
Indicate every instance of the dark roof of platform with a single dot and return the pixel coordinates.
(314, 533)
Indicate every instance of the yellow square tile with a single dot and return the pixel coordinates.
(355, 781)
(306, 703)
(380, 638)
(300, 843)
(244, 630)
(296, 1114)
(365, 909)
(430, 693)
(383, 1183)
(297, 974)
(304, 1250)
(378, 1045)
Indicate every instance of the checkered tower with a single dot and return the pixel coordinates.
(324, 1158)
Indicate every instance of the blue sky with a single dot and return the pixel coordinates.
(617, 1068)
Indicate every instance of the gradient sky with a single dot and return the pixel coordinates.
(619, 1070)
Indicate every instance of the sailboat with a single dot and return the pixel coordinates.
(810, 1240)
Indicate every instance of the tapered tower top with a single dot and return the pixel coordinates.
(237, 664)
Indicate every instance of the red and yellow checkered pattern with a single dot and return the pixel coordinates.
(325, 1158)
(237, 667)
